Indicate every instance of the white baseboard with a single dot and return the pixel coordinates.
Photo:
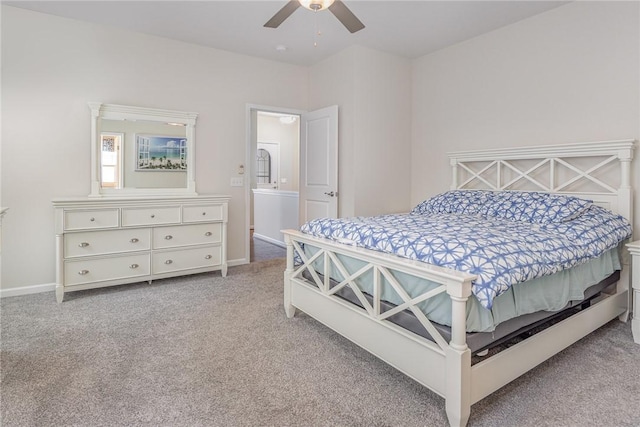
(234, 262)
(27, 290)
(269, 240)
(50, 287)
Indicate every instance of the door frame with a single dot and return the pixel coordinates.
(249, 164)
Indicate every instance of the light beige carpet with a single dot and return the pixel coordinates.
(210, 351)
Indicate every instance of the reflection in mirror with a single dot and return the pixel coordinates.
(149, 150)
(141, 151)
(111, 159)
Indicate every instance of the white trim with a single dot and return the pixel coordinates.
(27, 290)
(269, 240)
(237, 262)
(284, 193)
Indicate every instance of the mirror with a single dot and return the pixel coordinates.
(138, 151)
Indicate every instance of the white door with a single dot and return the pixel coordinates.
(319, 164)
(268, 161)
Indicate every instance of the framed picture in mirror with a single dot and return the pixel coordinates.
(161, 153)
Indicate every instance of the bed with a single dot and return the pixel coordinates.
(346, 284)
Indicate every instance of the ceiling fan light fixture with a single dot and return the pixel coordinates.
(336, 7)
(316, 5)
(287, 120)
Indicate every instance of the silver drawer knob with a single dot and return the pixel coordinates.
(204, 213)
(134, 240)
(92, 219)
(208, 233)
(168, 237)
(208, 257)
(134, 266)
(153, 216)
(83, 272)
(83, 244)
(168, 261)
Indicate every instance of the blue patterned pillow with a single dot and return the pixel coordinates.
(466, 202)
(534, 207)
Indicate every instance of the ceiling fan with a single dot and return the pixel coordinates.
(337, 7)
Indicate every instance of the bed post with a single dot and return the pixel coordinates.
(289, 309)
(458, 398)
(625, 207)
(454, 173)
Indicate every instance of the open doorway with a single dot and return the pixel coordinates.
(273, 173)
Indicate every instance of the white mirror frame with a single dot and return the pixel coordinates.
(125, 112)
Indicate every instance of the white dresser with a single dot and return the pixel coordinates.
(113, 241)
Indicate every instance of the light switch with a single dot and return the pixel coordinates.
(237, 181)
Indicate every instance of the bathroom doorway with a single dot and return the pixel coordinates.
(273, 174)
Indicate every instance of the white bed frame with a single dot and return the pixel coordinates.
(445, 367)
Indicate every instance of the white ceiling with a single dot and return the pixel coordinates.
(406, 28)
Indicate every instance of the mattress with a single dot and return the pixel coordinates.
(545, 294)
(479, 341)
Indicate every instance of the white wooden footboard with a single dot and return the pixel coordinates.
(443, 367)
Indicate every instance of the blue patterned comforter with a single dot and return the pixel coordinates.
(500, 252)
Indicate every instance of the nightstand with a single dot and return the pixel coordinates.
(634, 250)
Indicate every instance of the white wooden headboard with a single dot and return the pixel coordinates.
(599, 171)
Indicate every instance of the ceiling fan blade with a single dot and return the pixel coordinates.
(344, 15)
(282, 14)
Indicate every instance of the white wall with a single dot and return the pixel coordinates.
(373, 91)
(571, 74)
(382, 133)
(275, 210)
(53, 66)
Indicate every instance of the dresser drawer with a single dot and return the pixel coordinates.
(105, 242)
(81, 271)
(200, 213)
(186, 235)
(132, 217)
(90, 219)
(186, 259)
